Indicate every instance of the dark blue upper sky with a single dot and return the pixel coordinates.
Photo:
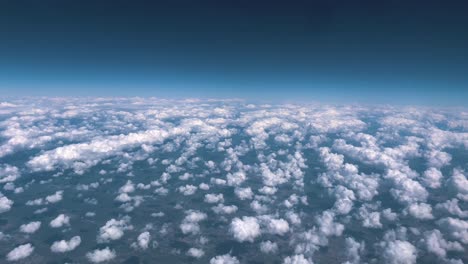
(339, 51)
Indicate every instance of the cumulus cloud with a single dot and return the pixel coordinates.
(60, 220)
(245, 229)
(268, 172)
(101, 255)
(195, 253)
(214, 198)
(20, 252)
(297, 259)
(268, 247)
(420, 211)
(143, 240)
(5, 203)
(65, 246)
(224, 259)
(190, 224)
(113, 229)
(30, 228)
(399, 252)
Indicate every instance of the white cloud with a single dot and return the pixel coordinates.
(101, 255)
(224, 259)
(9, 173)
(190, 224)
(297, 259)
(54, 198)
(421, 211)
(244, 193)
(277, 226)
(432, 178)
(399, 252)
(5, 203)
(144, 239)
(268, 247)
(30, 228)
(113, 230)
(188, 189)
(452, 207)
(20, 252)
(245, 229)
(214, 198)
(435, 243)
(60, 221)
(457, 228)
(195, 253)
(65, 246)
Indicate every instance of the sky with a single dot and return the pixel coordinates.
(410, 52)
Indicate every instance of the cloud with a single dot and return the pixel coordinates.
(60, 221)
(436, 244)
(54, 198)
(297, 259)
(245, 229)
(399, 252)
(277, 226)
(195, 253)
(214, 198)
(20, 252)
(268, 247)
(65, 246)
(244, 193)
(5, 203)
(421, 211)
(101, 255)
(143, 240)
(113, 230)
(31, 227)
(224, 259)
(190, 224)
(9, 173)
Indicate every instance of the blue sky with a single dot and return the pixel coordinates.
(390, 52)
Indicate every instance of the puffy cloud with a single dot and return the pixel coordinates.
(277, 226)
(457, 228)
(245, 229)
(432, 178)
(214, 198)
(224, 259)
(144, 239)
(399, 252)
(224, 209)
(353, 250)
(460, 182)
(420, 211)
(8, 173)
(268, 247)
(30, 228)
(113, 229)
(453, 208)
(190, 224)
(65, 246)
(20, 252)
(328, 226)
(5, 203)
(188, 189)
(195, 253)
(54, 198)
(60, 221)
(435, 243)
(244, 193)
(101, 255)
(297, 259)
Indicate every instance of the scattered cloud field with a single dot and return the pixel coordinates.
(146, 180)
